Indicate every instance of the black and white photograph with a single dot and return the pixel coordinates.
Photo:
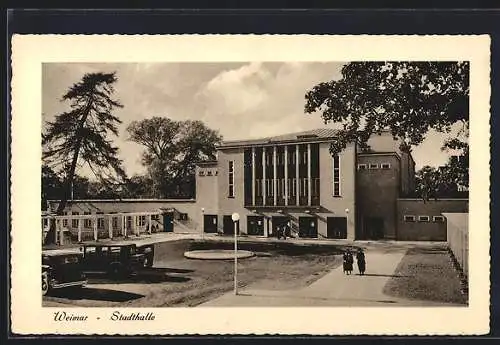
(296, 185)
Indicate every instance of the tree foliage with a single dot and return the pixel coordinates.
(433, 183)
(80, 136)
(408, 98)
(171, 151)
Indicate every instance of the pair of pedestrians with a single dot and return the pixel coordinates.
(348, 262)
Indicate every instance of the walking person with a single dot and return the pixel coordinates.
(360, 258)
(348, 261)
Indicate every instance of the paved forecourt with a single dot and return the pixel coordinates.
(334, 289)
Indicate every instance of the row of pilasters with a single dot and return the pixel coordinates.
(288, 174)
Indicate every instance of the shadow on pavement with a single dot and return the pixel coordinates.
(95, 294)
(144, 276)
(382, 275)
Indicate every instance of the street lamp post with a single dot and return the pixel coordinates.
(235, 217)
(347, 220)
(202, 223)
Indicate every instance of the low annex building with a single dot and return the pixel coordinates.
(293, 179)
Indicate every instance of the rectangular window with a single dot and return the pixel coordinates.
(293, 155)
(115, 222)
(258, 187)
(423, 218)
(155, 217)
(100, 221)
(201, 173)
(141, 220)
(88, 222)
(65, 221)
(282, 183)
(409, 218)
(294, 187)
(438, 219)
(336, 176)
(385, 165)
(373, 166)
(361, 166)
(74, 222)
(231, 179)
(304, 186)
(209, 173)
(315, 187)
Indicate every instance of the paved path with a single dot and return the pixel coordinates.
(334, 289)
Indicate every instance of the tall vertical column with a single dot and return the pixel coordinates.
(110, 227)
(275, 177)
(286, 174)
(297, 180)
(253, 175)
(264, 176)
(309, 180)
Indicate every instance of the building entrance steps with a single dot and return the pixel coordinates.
(333, 289)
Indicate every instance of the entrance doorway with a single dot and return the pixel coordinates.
(168, 222)
(228, 226)
(278, 222)
(210, 223)
(308, 227)
(336, 227)
(255, 225)
(373, 228)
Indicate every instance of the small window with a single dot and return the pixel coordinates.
(438, 219)
(373, 166)
(409, 218)
(216, 172)
(361, 166)
(201, 173)
(100, 221)
(385, 165)
(87, 222)
(209, 173)
(423, 218)
(75, 222)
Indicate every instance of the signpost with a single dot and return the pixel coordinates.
(235, 217)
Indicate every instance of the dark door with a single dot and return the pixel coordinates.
(336, 227)
(308, 227)
(168, 222)
(255, 225)
(278, 222)
(210, 223)
(373, 228)
(228, 226)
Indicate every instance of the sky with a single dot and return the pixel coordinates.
(240, 100)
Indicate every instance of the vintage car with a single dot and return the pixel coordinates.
(61, 269)
(149, 254)
(116, 259)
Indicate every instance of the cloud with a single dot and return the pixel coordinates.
(240, 100)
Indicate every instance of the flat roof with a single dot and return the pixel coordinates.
(127, 200)
(315, 135)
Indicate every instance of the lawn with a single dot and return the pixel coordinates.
(175, 281)
(426, 274)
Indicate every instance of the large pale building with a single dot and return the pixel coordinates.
(293, 179)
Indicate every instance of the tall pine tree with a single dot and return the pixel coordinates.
(80, 136)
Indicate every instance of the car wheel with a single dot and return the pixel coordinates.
(45, 284)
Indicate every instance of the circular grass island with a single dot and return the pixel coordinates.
(218, 254)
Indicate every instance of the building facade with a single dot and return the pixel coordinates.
(293, 180)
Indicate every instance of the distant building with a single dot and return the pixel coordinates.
(293, 179)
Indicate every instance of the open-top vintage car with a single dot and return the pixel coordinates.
(116, 259)
(61, 269)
